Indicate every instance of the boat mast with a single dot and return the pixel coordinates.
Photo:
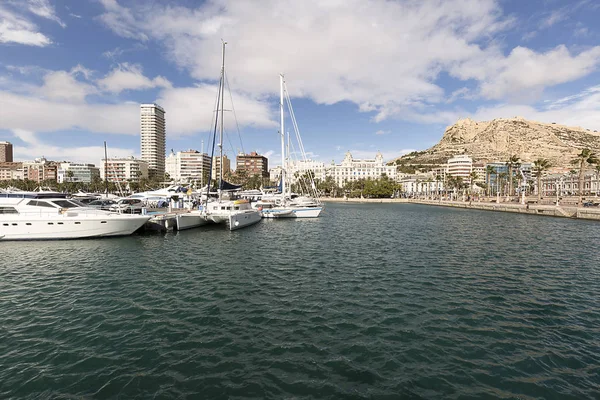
(221, 128)
(282, 133)
(105, 169)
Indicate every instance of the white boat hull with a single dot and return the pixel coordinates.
(70, 227)
(190, 220)
(292, 212)
(243, 219)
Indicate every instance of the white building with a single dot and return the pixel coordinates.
(153, 137)
(349, 170)
(71, 172)
(352, 170)
(188, 166)
(124, 169)
(461, 166)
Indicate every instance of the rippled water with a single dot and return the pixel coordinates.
(368, 301)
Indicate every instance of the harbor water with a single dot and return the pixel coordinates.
(367, 301)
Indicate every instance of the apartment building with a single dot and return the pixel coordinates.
(128, 169)
(188, 166)
(73, 172)
(153, 138)
(253, 164)
(6, 152)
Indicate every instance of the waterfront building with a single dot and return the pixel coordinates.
(297, 168)
(421, 185)
(72, 172)
(502, 168)
(460, 166)
(216, 166)
(349, 170)
(128, 169)
(253, 164)
(40, 170)
(6, 152)
(275, 174)
(11, 170)
(567, 184)
(153, 138)
(188, 166)
(479, 169)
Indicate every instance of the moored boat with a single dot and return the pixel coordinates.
(43, 215)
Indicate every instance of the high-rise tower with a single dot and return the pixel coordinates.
(6, 152)
(153, 137)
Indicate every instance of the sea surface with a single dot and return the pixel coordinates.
(368, 301)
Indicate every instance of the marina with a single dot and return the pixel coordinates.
(324, 313)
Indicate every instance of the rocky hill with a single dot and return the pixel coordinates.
(498, 139)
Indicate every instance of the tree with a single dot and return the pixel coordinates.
(472, 178)
(511, 163)
(597, 179)
(539, 166)
(584, 158)
(489, 170)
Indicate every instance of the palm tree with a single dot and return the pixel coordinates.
(511, 163)
(501, 177)
(597, 179)
(586, 156)
(539, 166)
(472, 177)
(489, 170)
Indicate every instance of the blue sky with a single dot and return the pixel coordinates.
(363, 75)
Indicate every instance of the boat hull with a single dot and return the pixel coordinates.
(292, 212)
(243, 219)
(193, 219)
(67, 227)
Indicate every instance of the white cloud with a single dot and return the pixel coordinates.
(43, 8)
(383, 56)
(554, 17)
(524, 73)
(63, 86)
(33, 148)
(130, 77)
(35, 114)
(191, 110)
(382, 132)
(121, 20)
(15, 28)
(582, 109)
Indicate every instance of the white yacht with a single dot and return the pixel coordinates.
(43, 215)
(236, 213)
(285, 204)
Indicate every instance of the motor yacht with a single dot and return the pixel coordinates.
(47, 215)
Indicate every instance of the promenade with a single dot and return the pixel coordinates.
(567, 211)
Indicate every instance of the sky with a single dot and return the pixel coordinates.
(363, 75)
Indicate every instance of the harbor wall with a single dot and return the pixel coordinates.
(591, 213)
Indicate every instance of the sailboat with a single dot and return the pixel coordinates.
(285, 205)
(227, 209)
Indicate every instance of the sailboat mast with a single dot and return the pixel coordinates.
(105, 169)
(282, 132)
(221, 128)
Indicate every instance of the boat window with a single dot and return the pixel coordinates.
(27, 223)
(65, 203)
(39, 203)
(236, 208)
(8, 210)
(77, 203)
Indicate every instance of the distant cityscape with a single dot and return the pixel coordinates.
(194, 167)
